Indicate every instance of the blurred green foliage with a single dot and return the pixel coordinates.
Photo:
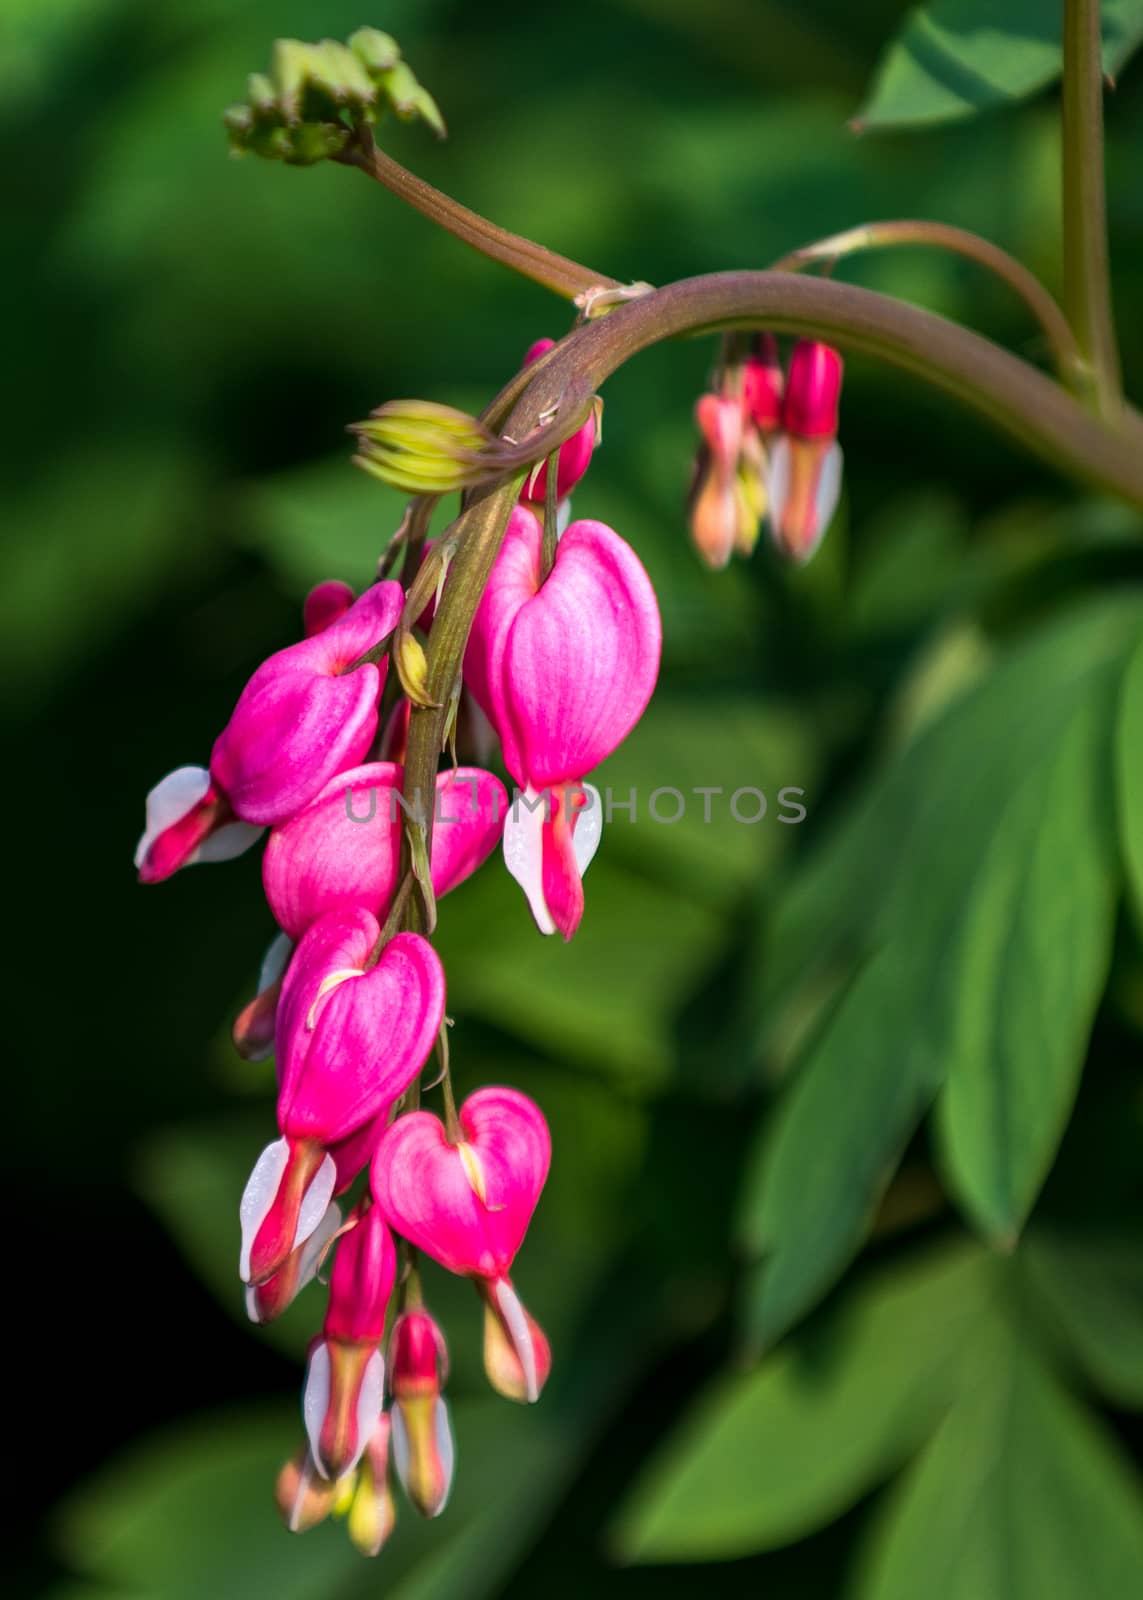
(738, 1052)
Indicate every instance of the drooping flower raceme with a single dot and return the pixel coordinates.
(563, 665)
(562, 660)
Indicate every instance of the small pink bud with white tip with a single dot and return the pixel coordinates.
(806, 461)
(345, 1378)
(423, 1450)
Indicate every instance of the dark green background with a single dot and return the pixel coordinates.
(187, 337)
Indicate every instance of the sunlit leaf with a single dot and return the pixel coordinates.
(954, 58)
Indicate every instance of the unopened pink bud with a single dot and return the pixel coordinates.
(422, 1436)
(763, 384)
(361, 1281)
(813, 388)
(304, 1497)
(517, 1356)
(325, 604)
(418, 1356)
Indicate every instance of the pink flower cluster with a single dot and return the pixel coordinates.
(562, 662)
(769, 450)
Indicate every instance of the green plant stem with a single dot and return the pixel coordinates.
(998, 386)
(558, 273)
(1087, 278)
(1066, 354)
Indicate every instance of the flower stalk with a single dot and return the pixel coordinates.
(1087, 276)
(1066, 356)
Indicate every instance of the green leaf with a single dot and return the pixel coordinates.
(903, 893)
(825, 1160)
(767, 1456)
(1032, 963)
(1129, 778)
(955, 58)
(1090, 1286)
(1020, 1496)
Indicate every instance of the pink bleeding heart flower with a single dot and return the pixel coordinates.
(575, 453)
(188, 820)
(345, 1376)
(468, 1205)
(423, 1449)
(563, 667)
(806, 460)
(344, 848)
(325, 604)
(351, 1037)
(303, 717)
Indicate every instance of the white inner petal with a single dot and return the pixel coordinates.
(588, 829)
(399, 1440)
(778, 480)
(521, 1334)
(446, 1450)
(370, 1398)
(171, 798)
(258, 1196)
(315, 1401)
(316, 1200)
(828, 491)
(231, 840)
(524, 853)
(274, 962)
(316, 1244)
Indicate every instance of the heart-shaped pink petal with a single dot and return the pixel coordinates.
(428, 1188)
(351, 1038)
(303, 718)
(564, 668)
